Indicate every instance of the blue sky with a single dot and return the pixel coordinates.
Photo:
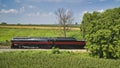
(43, 11)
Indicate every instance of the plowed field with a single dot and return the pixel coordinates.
(37, 27)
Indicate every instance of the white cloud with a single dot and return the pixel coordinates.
(100, 10)
(22, 9)
(32, 14)
(84, 12)
(58, 1)
(31, 6)
(48, 14)
(14, 11)
(39, 17)
(42, 14)
(45, 0)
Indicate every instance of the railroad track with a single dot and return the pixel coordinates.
(8, 49)
(72, 50)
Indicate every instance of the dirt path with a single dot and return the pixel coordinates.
(72, 50)
(8, 49)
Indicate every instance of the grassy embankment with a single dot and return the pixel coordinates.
(10, 31)
(53, 59)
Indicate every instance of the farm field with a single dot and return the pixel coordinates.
(7, 33)
(53, 59)
(37, 26)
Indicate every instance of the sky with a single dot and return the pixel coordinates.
(43, 11)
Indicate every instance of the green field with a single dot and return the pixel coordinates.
(9, 33)
(48, 59)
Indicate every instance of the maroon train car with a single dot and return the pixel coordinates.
(31, 42)
(69, 43)
(58, 42)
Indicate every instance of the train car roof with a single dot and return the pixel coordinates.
(44, 39)
(31, 39)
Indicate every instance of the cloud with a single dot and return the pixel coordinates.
(58, 1)
(84, 12)
(39, 17)
(22, 9)
(31, 6)
(42, 14)
(45, 0)
(33, 14)
(100, 10)
(14, 11)
(69, 1)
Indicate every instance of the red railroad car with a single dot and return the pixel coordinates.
(58, 42)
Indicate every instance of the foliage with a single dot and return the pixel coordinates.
(3, 23)
(44, 59)
(6, 43)
(55, 50)
(102, 32)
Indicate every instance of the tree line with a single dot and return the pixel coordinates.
(102, 33)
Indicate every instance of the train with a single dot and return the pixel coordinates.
(47, 43)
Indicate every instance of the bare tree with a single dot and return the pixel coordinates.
(65, 18)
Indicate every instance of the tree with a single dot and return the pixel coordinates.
(65, 18)
(3, 23)
(85, 22)
(102, 33)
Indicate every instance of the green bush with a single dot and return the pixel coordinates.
(5, 43)
(100, 45)
(102, 32)
(3, 23)
(55, 50)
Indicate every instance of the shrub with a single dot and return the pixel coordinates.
(6, 43)
(55, 50)
(3, 23)
(102, 32)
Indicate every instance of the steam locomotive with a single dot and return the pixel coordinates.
(47, 43)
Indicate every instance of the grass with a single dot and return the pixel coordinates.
(6, 34)
(47, 59)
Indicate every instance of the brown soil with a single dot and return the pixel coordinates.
(37, 27)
